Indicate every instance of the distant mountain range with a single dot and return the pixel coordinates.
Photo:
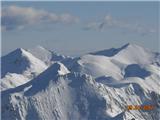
(39, 84)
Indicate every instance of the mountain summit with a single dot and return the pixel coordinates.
(95, 86)
(45, 55)
(18, 67)
(20, 61)
(110, 52)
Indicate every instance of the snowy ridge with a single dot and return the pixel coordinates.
(135, 54)
(41, 53)
(45, 55)
(18, 67)
(99, 65)
(91, 87)
(110, 52)
(20, 61)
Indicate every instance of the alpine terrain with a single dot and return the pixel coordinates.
(39, 84)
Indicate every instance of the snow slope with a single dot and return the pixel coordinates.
(127, 63)
(99, 64)
(18, 67)
(134, 54)
(110, 52)
(41, 53)
(96, 86)
(45, 55)
(71, 96)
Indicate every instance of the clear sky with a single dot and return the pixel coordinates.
(75, 28)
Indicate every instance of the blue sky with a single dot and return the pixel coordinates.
(75, 28)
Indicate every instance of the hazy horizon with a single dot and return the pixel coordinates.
(76, 28)
(73, 55)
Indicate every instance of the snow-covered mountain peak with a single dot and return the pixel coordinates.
(135, 54)
(131, 47)
(43, 80)
(55, 70)
(99, 64)
(19, 61)
(18, 67)
(41, 47)
(96, 86)
(111, 52)
(59, 68)
(19, 52)
(127, 47)
(41, 53)
(47, 56)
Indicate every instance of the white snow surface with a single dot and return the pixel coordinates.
(97, 64)
(47, 56)
(18, 67)
(95, 86)
(41, 53)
